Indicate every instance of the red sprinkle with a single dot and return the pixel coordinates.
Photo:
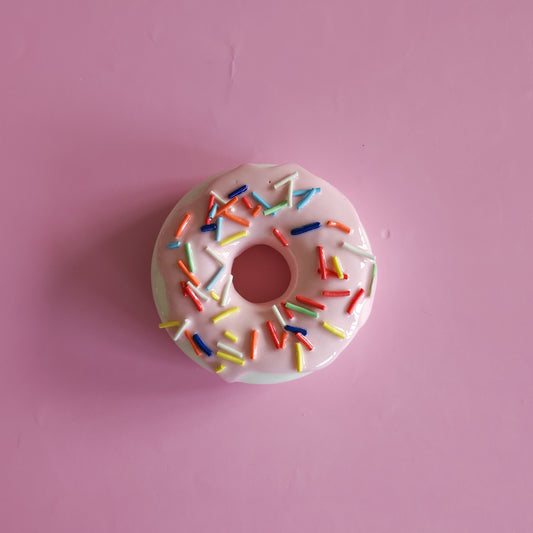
(340, 226)
(256, 211)
(194, 298)
(322, 259)
(310, 302)
(288, 312)
(183, 285)
(305, 341)
(209, 207)
(183, 225)
(280, 237)
(284, 337)
(246, 202)
(275, 337)
(335, 293)
(358, 295)
(332, 273)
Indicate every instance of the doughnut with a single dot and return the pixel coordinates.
(322, 243)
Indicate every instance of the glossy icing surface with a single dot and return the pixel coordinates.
(271, 364)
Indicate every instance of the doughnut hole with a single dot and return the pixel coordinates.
(260, 274)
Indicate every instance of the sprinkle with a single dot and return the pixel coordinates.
(199, 292)
(359, 251)
(274, 335)
(215, 256)
(305, 341)
(305, 199)
(181, 228)
(219, 368)
(302, 192)
(233, 238)
(218, 232)
(230, 349)
(284, 337)
(334, 329)
(212, 212)
(238, 191)
(372, 280)
(193, 344)
(280, 237)
(299, 357)
(294, 329)
(211, 202)
(310, 302)
(208, 227)
(231, 358)
(254, 342)
(183, 327)
(172, 324)
(289, 193)
(302, 310)
(224, 314)
(322, 260)
(358, 295)
(338, 225)
(258, 198)
(235, 218)
(332, 273)
(200, 343)
(334, 294)
(305, 228)
(338, 267)
(225, 291)
(215, 296)
(288, 312)
(174, 244)
(276, 208)
(246, 202)
(189, 274)
(221, 200)
(194, 298)
(286, 179)
(278, 316)
(227, 206)
(190, 256)
(256, 211)
(231, 336)
(212, 282)
(183, 287)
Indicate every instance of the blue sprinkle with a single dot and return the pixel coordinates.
(238, 191)
(200, 343)
(294, 329)
(213, 210)
(303, 192)
(175, 244)
(209, 227)
(218, 232)
(306, 199)
(215, 278)
(305, 228)
(260, 200)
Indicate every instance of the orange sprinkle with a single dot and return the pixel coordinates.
(227, 206)
(188, 273)
(284, 337)
(340, 226)
(181, 228)
(193, 344)
(246, 202)
(280, 237)
(235, 218)
(256, 211)
(253, 350)
(288, 312)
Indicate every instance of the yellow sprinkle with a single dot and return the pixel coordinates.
(299, 357)
(233, 237)
(338, 267)
(231, 336)
(224, 314)
(219, 368)
(215, 296)
(172, 324)
(231, 358)
(334, 329)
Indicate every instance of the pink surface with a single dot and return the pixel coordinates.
(420, 112)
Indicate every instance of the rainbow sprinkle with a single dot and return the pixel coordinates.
(336, 294)
(175, 244)
(172, 324)
(276, 208)
(231, 336)
(246, 202)
(305, 228)
(374, 268)
(254, 343)
(334, 329)
(256, 211)
(289, 193)
(226, 206)
(208, 227)
(190, 256)
(299, 357)
(212, 211)
(288, 178)
(193, 344)
(233, 238)
(338, 225)
(278, 316)
(219, 368)
(237, 219)
(184, 223)
(225, 291)
(215, 256)
(230, 349)
(311, 303)
(306, 199)
(353, 303)
(305, 341)
(303, 192)
(238, 191)
(260, 200)
(231, 358)
(181, 329)
(188, 273)
(338, 267)
(218, 231)
(301, 309)
(199, 292)
(294, 329)
(224, 314)
(359, 251)
(215, 296)
(200, 343)
(280, 237)
(212, 282)
(274, 335)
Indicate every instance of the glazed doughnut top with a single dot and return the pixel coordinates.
(316, 230)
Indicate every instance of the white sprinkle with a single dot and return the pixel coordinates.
(219, 198)
(282, 181)
(230, 350)
(215, 256)
(278, 316)
(198, 292)
(181, 329)
(225, 293)
(289, 196)
(359, 251)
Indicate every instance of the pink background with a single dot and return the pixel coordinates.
(420, 111)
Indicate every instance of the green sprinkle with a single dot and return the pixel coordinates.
(275, 209)
(301, 309)
(374, 268)
(190, 257)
